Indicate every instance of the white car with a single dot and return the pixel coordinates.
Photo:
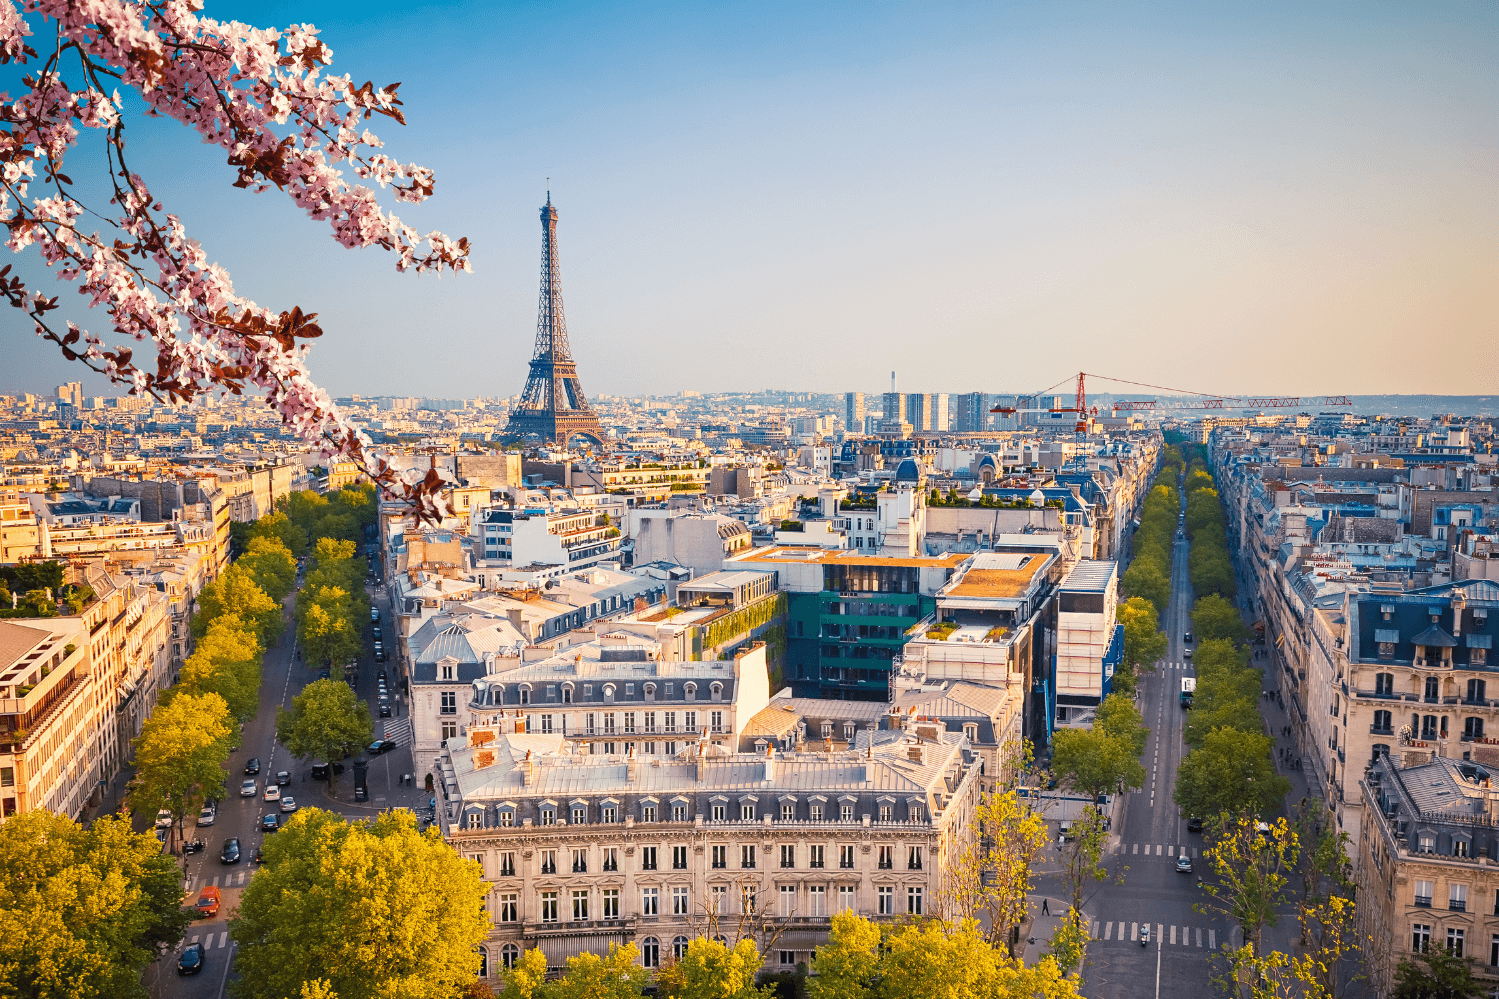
(272, 793)
(288, 804)
(247, 789)
(164, 819)
(207, 816)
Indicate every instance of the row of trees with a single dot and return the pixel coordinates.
(1212, 569)
(1147, 582)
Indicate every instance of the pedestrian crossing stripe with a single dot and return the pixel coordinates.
(1158, 849)
(1171, 936)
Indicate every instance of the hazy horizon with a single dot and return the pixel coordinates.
(1261, 199)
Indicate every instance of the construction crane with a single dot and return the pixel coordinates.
(1200, 401)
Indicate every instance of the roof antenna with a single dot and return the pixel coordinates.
(549, 190)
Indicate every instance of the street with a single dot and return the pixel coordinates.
(1147, 838)
(283, 677)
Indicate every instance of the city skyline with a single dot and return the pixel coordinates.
(803, 197)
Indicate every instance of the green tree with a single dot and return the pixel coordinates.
(376, 908)
(615, 976)
(1231, 772)
(1214, 617)
(1118, 717)
(1438, 975)
(1144, 642)
(236, 592)
(1082, 861)
(326, 721)
(527, 978)
(279, 526)
(83, 911)
(846, 966)
(1094, 762)
(1251, 868)
(271, 565)
(712, 970)
(226, 662)
(180, 754)
(1148, 578)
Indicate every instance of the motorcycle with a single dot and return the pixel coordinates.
(1145, 936)
(196, 846)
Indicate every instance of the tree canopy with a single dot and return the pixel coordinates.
(1105, 758)
(375, 908)
(1230, 772)
(180, 754)
(325, 722)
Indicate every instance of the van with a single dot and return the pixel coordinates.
(208, 902)
(320, 770)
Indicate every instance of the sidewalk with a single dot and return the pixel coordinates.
(1036, 933)
(1277, 720)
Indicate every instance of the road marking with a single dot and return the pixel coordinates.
(1095, 930)
(1170, 851)
(194, 939)
(1108, 930)
(1212, 939)
(208, 944)
(1199, 936)
(215, 880)
(1134, 931)
(223, 939)
(1158, 849)
(1137, 848)
(1173, 934)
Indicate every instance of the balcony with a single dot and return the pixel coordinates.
(549, 868)
(1457, 905)
(1381, 730)
(1423, 901)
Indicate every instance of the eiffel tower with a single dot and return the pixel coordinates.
(553, 404)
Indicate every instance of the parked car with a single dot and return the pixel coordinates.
(207, 815)
(283, 778)
(208, 902)
(378, 635)
(379, 655)
(1187, 636)
(1194, 825)
(322, 674)
(381, 674)
(230, 853)
(247, 789)
(385, 711)
(191, 961)
(1187, 652)
(381, 746)
(272, 793)
(164, 819)
(374, 614)
(289, 804)
(252, 765)
(270, 822)
(1184, 864)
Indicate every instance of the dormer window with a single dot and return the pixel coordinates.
(650, 692)
(689, 691)
(567, 693)
(608, 692)
(447, 672)
(525, 695)
(717, 691)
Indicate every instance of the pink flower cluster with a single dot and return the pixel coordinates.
(263, 97)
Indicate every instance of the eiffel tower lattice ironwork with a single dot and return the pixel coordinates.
(553, 404)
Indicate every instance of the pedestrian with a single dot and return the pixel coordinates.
(1045, 907)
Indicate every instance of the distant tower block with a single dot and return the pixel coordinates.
(553, 404)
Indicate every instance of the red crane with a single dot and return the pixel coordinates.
(1201, 401)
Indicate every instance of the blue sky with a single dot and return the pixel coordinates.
(1227, 198)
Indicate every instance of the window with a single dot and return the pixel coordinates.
(1457, 898)
(509, 954)
(1433, 688)
(716, 721)
(913, 861)
(507, 865)
(1494, 951)
(679, 813)
(887, 812)
(747, 811)
(1384, 683)
(679, 858)
(1455, 942)
(650, 952)
(747, 856)
(609, 723)
(747, 897)
(609, 813)
(449, 703)
(650, 901)
(588, 723)
(548, 907)
(580, 861)
(647, 858)
(815, 854)
(650, 721)
(546, 724)
(846, 812)
(1423, 893)
(913, 814)
(611, 858)
(679, 901)
(1387, 650)
(815, 813)
(913, 901)
(1428, 727)
(449, 730)
(1382, 722)
(718, 900)
(669, 718)
(1478, 657)
(845, 898)
(548, 815)
(788, 901)
(580, 905)
(689, 722)
(647, 813)
(846, 856)
(611, 903)
(509, 907)
(483, 962)
(679, 948)
(887, 901)
(580, 814)
(549, 861)
(887, 858)
(719, 860)
(567, 694)
(1477, 689)
(1472, 728)
(817, 900)
(788, 855)
(1426, 844)
(788, 957)
(720, 813)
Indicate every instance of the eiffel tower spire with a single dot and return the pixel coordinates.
(553, 404)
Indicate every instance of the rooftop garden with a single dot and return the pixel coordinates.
(791, 525)
(940, 632)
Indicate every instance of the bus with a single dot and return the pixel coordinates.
(1189, 687)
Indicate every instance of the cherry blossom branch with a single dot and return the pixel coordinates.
(239, 88)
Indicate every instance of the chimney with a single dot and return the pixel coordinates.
(630, 766)
(701, 763)
(868, 767)
(529, 777)
(770, 763)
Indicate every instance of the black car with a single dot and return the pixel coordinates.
(381, 674)
(259, 857)
(252, 765)
(381, 746)
(270, 822)
(1187, 637)
(230, 853)
(376, 630)
(322, 674)
(283, 778)
(1194, 825)
(379, 655)
(385, 711)
(191, 961)
(320, 770)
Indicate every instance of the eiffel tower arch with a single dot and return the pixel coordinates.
(553, 404)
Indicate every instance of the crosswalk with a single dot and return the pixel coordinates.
(400, 732)
(1156, 850)
(1179, 667)
(1168, 936)
(230, 880)
(208, 940)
